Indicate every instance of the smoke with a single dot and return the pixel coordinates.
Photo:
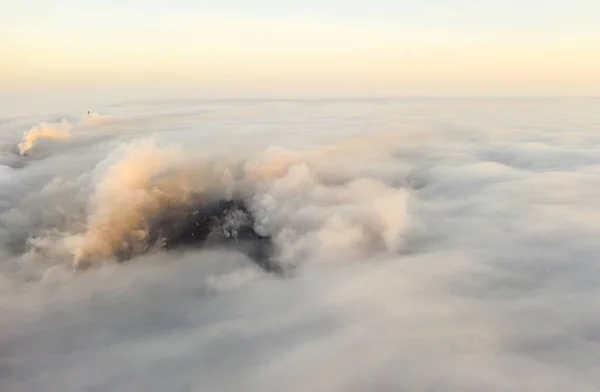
(60, 131)
(309, 209)
(81, 126)
(140, 181)
(122, 198)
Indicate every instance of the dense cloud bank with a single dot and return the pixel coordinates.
(435, 245)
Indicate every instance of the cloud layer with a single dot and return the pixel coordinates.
(439, 245)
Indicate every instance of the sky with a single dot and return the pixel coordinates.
(303, 48)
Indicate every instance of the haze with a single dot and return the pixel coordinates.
(303, 49)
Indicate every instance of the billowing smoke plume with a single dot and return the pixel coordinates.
(309, 204)
(140, 181)
(289, 194)
(60, 131)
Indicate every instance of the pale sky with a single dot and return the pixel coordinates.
(310, 47)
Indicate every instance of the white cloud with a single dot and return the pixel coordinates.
(456, 252)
